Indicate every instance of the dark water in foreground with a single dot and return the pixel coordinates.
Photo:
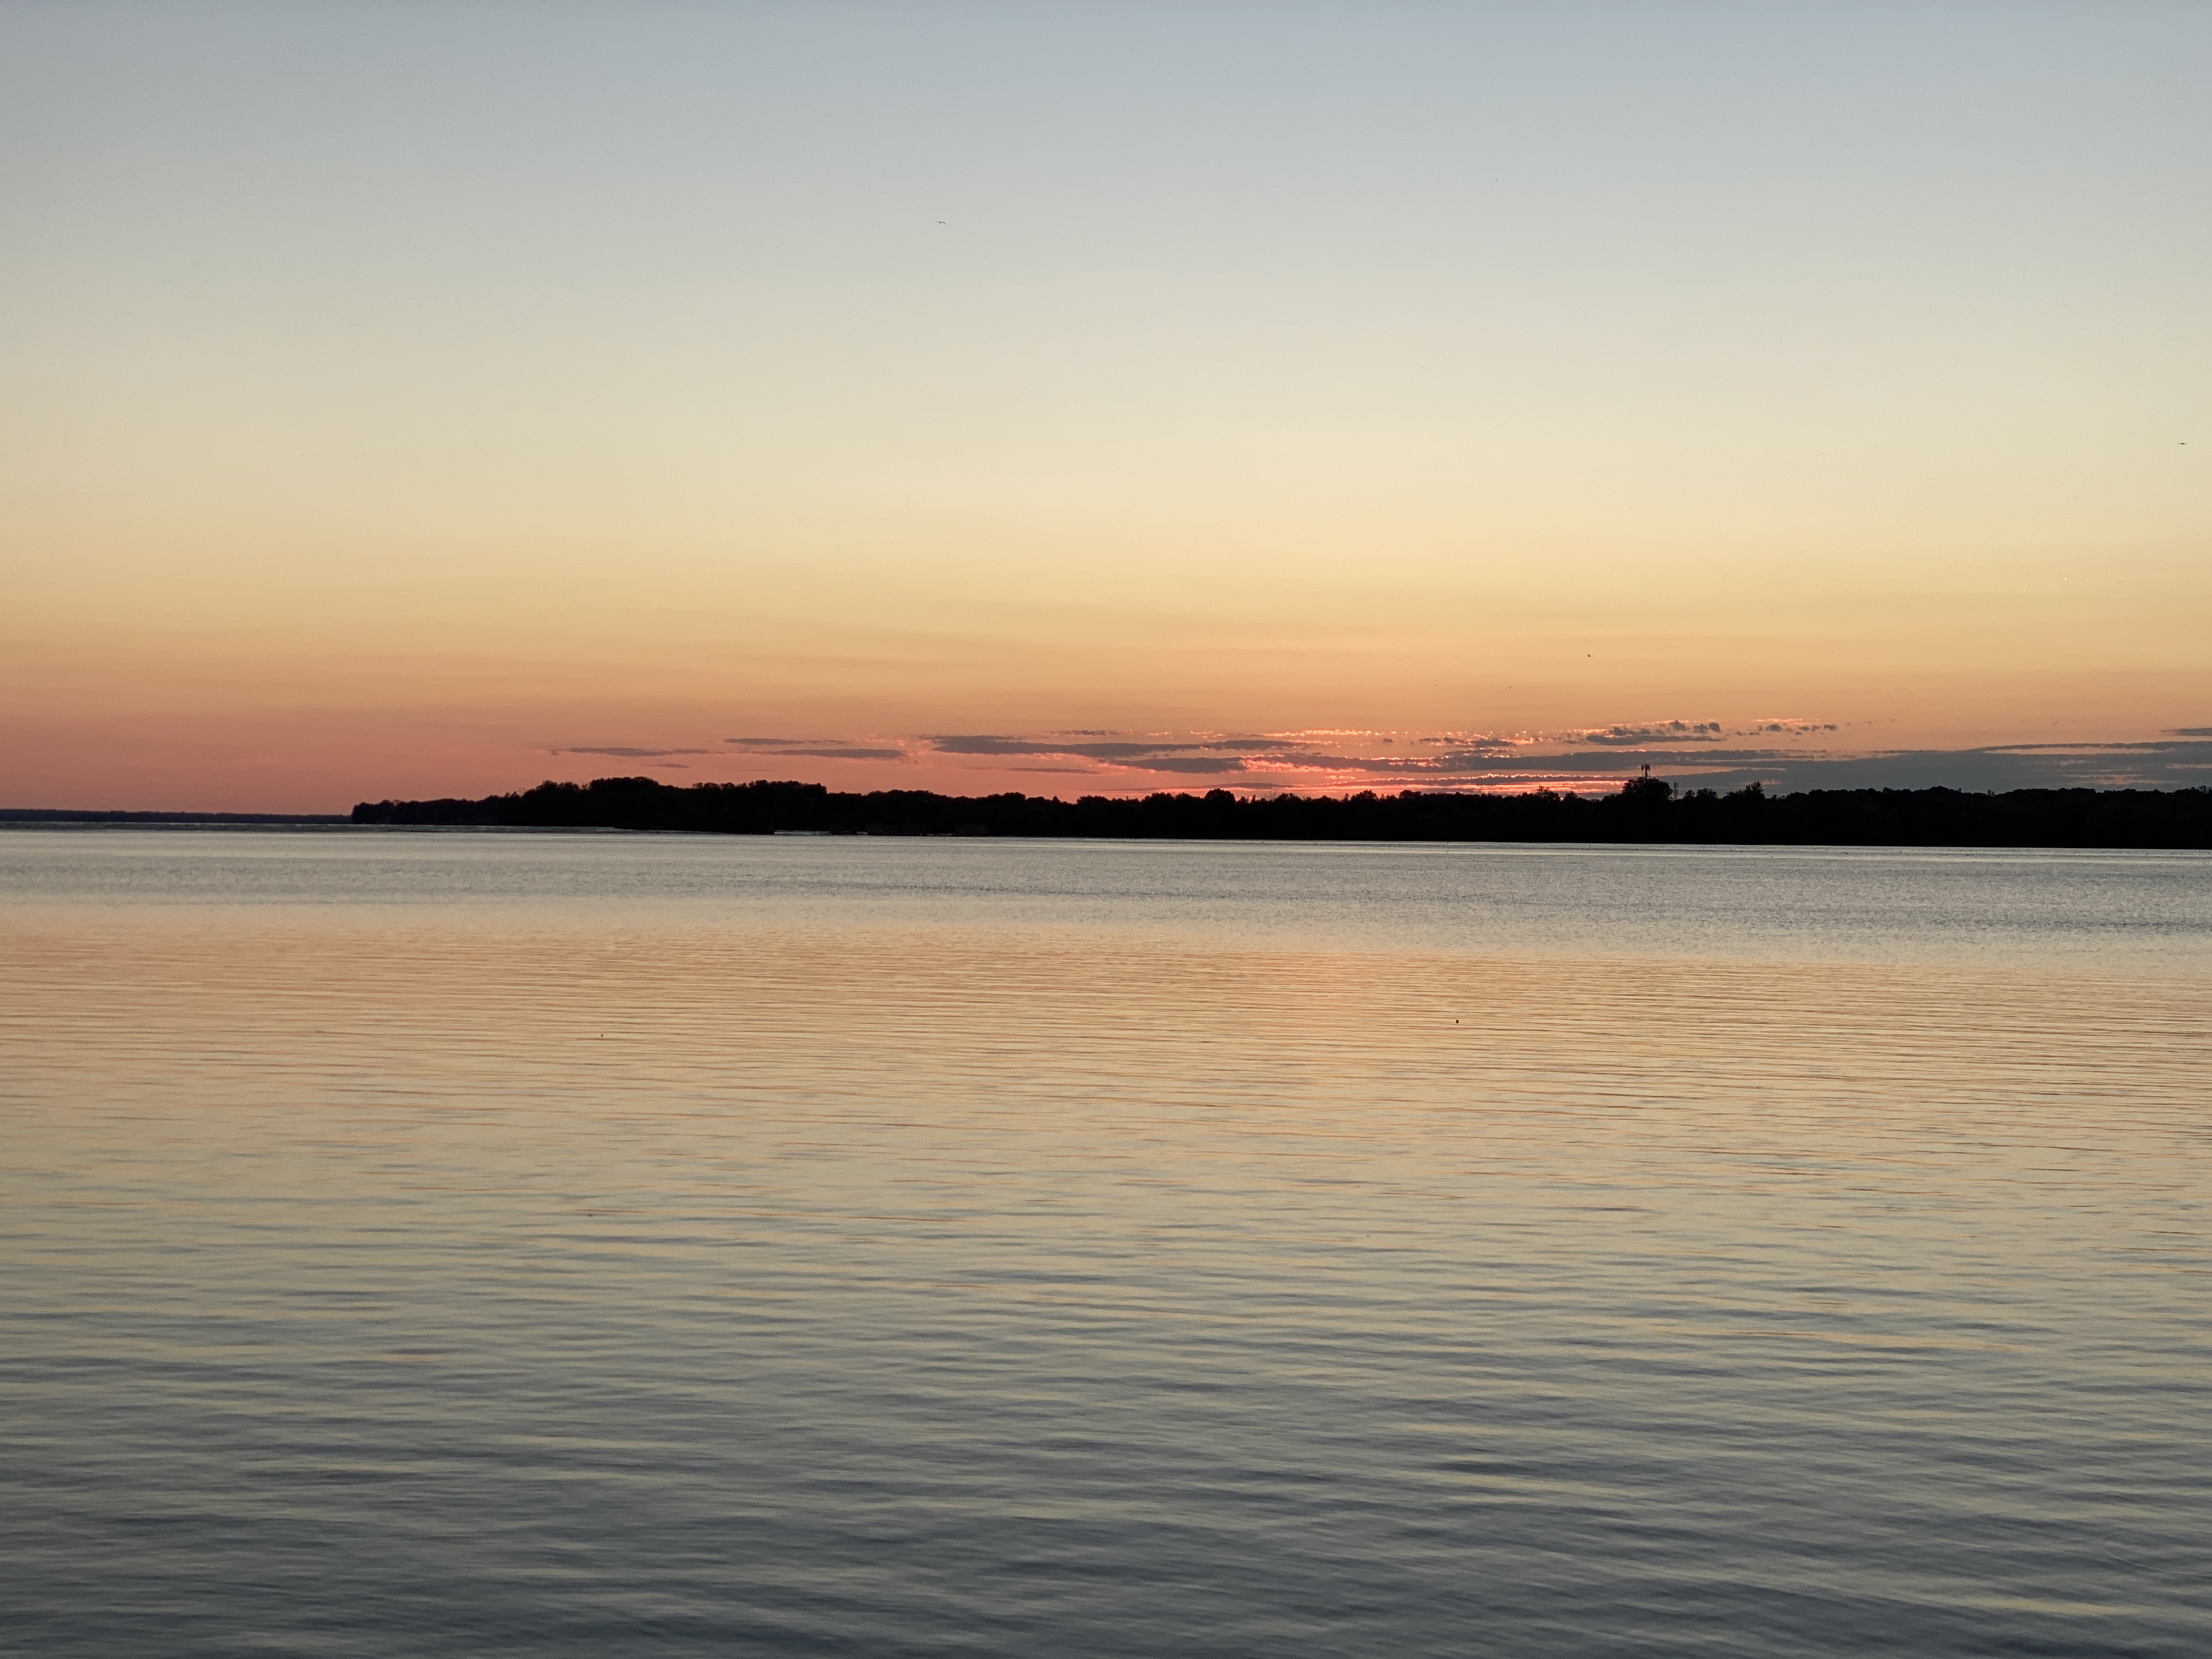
(514, 1244)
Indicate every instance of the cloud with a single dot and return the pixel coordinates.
(1415, 767)
(626, 753)
(990, 745)
(2166, 765)
(1691, 753)
(1125, 751)
(1612, 761)
(1629, 735)
(1191, 763)
(816, 747)
(1658, 732)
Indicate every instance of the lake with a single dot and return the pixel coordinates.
(442, 1243)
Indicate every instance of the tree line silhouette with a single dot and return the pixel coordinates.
(1646, 809)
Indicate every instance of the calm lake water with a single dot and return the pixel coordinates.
(458, 1243)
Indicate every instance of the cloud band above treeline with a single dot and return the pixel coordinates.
(1787, 753)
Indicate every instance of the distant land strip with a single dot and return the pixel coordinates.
(1646, 809)
(63, 815)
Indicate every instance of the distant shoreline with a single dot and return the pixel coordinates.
(1645, 809)
(64, 815)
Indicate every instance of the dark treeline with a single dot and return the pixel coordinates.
(1647, 809)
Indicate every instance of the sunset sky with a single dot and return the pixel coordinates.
(410, 400)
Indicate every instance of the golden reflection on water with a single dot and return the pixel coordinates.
(635, 1060)
(1458, 1273)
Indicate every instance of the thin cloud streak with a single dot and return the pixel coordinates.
(626, 752)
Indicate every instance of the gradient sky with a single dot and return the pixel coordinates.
(421, 399)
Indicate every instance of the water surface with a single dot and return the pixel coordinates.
(435, 1242)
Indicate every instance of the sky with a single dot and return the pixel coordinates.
(405, 400)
